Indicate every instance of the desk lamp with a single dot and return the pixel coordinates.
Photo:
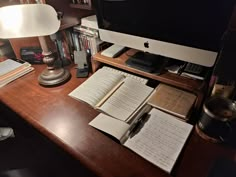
(30, 20)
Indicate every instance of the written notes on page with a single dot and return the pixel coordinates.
(161, 139)
(113, 93)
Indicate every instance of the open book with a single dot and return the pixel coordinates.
(113, 93)
(157, 136)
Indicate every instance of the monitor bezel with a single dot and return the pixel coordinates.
(180, 52)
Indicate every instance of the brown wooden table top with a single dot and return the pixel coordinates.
(65, 121)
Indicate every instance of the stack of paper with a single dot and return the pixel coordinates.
(11, 70)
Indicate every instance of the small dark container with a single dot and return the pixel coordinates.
(32, 55)
(217, 116)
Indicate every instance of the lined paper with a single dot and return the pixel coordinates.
(161, 139)
(96, 87)
(123, 103)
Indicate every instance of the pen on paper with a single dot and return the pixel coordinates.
(137, 126)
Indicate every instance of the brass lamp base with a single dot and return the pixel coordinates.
(52, 77)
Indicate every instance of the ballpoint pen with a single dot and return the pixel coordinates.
(136, 127)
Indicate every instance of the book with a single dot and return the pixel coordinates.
(156, 136)
(15, 76)
(8, 66)
(11, 69)
(113, 93)
(173, 100)
(86, 38)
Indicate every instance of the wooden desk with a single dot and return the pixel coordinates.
(65, 121)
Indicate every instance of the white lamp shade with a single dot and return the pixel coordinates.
(28, 21)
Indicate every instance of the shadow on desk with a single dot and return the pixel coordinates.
(232, 139)
(30, 154)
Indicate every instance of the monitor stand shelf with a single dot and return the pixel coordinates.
(194, 86)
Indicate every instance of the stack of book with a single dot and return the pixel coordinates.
(86, 35)
(11, 69)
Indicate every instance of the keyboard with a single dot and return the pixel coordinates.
(140, 79)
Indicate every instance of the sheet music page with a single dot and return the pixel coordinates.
(161, 139)
(126, 99)
(96, 87)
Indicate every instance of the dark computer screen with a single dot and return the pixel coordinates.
(194, 23)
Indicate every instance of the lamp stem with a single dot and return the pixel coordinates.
(48, 57)
(42, 41)
(52, 75)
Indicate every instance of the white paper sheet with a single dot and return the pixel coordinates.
(110, 125)
(161, 139)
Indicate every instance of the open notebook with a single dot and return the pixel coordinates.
(113, 93)
(158, 137)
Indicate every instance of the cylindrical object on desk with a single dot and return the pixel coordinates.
(217, 116)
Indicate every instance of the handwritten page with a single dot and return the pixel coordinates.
(126, 100)
(161, 139)
(96, 87)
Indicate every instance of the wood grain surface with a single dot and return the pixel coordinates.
(65, 121)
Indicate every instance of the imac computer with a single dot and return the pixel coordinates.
(186, 30)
